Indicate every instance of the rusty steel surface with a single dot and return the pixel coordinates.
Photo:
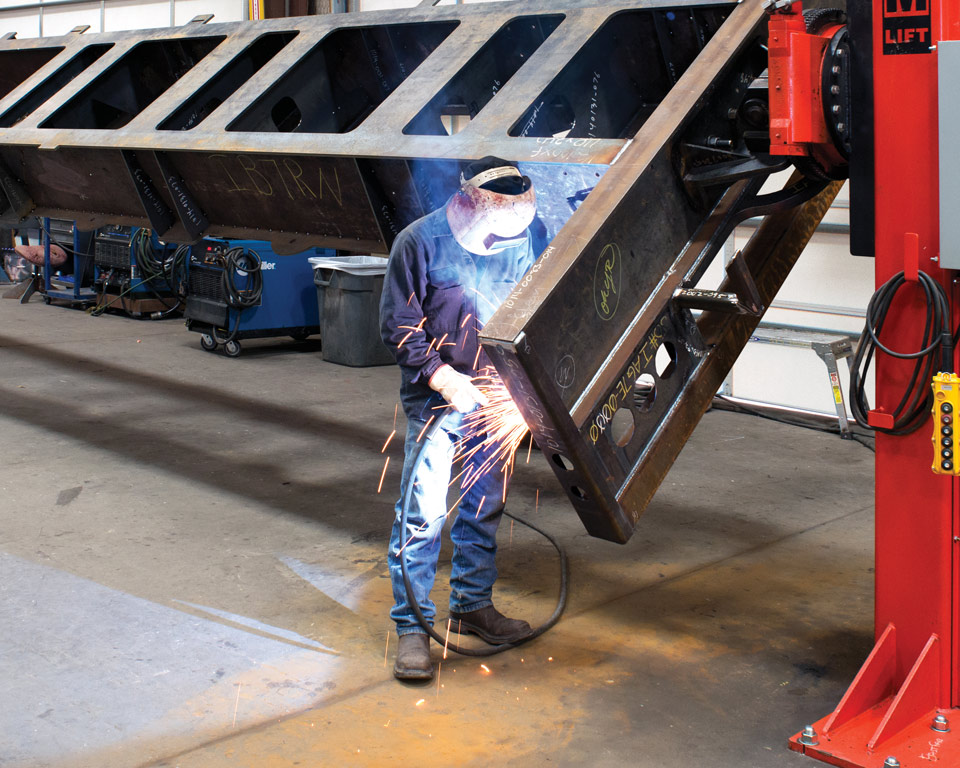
(610, 368)
(327, 130)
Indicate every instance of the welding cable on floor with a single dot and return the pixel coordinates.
(126, 287)
(240, 263)
(935, 355)
(411, 597)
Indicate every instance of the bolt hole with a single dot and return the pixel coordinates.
(644, 392)
(578, 492)
(622, 426)
(666, 360)
(562, 461)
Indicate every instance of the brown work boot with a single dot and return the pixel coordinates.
(490, 625)
(413, 658)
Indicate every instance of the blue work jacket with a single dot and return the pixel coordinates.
(436, 297)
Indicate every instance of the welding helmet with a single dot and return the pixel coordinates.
(493, 207)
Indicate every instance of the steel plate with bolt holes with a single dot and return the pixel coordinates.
(599, 344)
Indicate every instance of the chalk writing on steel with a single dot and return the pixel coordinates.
(606, 282)
(283, 177)
(565, 372)
(622, 393)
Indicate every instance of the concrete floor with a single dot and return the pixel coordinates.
(192, 573)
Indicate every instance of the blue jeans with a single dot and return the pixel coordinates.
(474, 532)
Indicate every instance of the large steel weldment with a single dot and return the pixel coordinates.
(599, 345)
(642, 122)
(330, 130)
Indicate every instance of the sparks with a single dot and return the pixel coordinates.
(502, 426)
(404, 339)
(485, 668)
(236, 706)
(383, 450)
(420, 529)
(480, 506)
(425, 428)
(420, 703)
(493, 306)
(465, 321)
(411, 298)
(383, 474)
(396, 410)
(447, 639)
(385, 650)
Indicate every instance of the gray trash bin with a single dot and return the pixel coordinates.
(348, 291)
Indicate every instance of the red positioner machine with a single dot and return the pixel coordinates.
(895, 116)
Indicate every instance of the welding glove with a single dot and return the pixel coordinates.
(457, 389)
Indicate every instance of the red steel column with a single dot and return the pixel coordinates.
(914, 508)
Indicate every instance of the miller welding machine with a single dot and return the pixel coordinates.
(240, 289)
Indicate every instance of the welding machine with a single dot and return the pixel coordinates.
(240, 289)
(134, 268)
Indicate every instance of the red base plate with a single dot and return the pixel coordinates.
(916, 745)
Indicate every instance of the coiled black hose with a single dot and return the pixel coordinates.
(914, 407)
(407, 495)
(241, 263)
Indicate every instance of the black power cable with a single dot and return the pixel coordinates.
(411, 597)
(240, 263)
(915, 404)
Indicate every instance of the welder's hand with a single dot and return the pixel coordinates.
(456, 389)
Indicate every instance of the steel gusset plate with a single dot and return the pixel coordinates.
(611, 373)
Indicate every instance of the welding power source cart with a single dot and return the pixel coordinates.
(241, 289)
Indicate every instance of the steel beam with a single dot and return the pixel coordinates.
(329, 130)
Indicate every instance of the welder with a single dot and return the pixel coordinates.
(448, 272)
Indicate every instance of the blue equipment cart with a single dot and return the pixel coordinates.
(241, 289)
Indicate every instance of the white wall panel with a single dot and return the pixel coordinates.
(380, 5)
(117, 16)
(222, 10)
(24, 24)
(144, 15)
(59, 21)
